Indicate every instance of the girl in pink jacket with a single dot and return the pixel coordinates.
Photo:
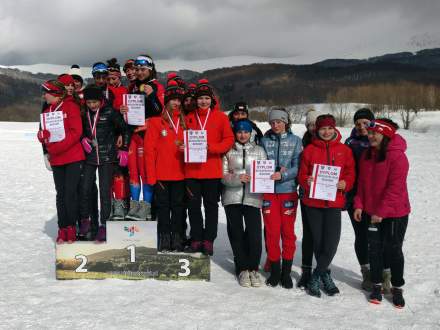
(382, 197)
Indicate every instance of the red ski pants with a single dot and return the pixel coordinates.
(279, 214)
(136, 166)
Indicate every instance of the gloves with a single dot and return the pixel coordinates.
(123, 158)
(43, 135)
(86, 145)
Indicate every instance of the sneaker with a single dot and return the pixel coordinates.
(398, 300)
(84, 227)
(275, 274)
(305, 277)
(71, 234)
(164, 242)
(314, 284)
(329, 286)
(196, 246)
(134, 210)
(376, 294)
(62, 235)
(367, 285)
(386, 281)
(286, 279)
(101, 235)
(244, 279)
(255, 279)
(208, 248)
(118, 209)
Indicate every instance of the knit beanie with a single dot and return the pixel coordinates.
(382, 127)
(173, 91)
(311, 116)
(325, 120)
(93, 92)
(279, 114)
(363, 113)
(242, 125)
(241, 106)
(66, 79)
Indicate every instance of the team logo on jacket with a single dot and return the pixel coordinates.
(131, 230)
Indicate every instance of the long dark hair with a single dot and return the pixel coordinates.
(381, 154)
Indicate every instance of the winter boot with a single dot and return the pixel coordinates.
(208, 248)
(164, 242)
(398, 300)
(305, 277)
(329, 286)
(62, 235)
(386, 281)
(118, 209)
(84, 227)
(71, 234)
(255, 279)
(134, 210)
(275, 274)
(244, 279)
(366, 278)
(196, 246)
(101, 235)
(314, 284)
(144, 211)
(176, 242)
(376, 294)
(286, 279)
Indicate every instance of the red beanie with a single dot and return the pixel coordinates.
(173, 91)
(382, 127)
(325, 120)
(66, 79)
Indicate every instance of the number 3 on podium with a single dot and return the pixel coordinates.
(184, 267)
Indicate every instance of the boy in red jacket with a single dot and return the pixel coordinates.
(203, 180)
(324, 216)
(382, 198)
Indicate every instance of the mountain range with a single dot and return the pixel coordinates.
(258, 84)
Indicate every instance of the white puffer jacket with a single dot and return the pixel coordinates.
(238, 161)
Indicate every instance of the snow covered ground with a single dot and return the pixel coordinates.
(31, 297)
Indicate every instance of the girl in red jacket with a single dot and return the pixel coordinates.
(324, 217)
(164, 168)
(382, 197)
(203, 180)
(65, 157)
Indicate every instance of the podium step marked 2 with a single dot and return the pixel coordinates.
(130, 253)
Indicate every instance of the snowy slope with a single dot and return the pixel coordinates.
(32, 298)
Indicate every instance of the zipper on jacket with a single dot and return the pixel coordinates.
(327, 148)
(244, 167)
(278, 158)
(96, 139)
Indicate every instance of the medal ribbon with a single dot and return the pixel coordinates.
(175, 127)
(95, 121)
(56, 109)
(206, 119)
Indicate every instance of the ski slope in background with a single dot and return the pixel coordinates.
(31, 297)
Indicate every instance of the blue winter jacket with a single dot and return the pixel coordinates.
(285, 149)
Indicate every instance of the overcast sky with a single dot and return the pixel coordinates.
(302, 31)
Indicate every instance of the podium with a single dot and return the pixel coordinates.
(130, 253)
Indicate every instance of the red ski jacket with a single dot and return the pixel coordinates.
(163, 159)
(382, 188)
(118, 93)
(220, 140)
(332, 153)
(68, 150)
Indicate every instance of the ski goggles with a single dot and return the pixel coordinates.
(144, 61)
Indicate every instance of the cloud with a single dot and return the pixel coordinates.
(65, 32)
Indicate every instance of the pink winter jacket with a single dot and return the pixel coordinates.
(382, 189)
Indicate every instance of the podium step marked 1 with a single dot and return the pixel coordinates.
(130, 253)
